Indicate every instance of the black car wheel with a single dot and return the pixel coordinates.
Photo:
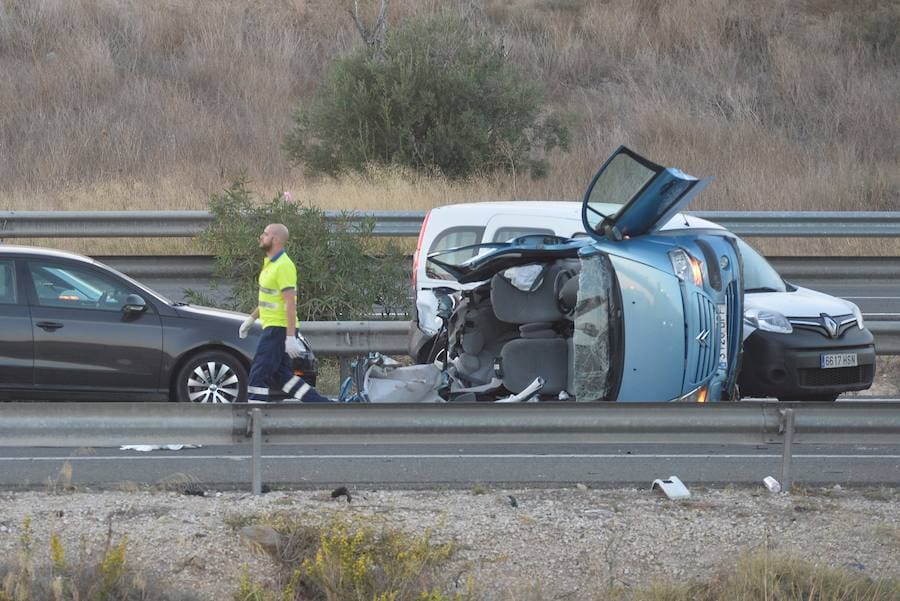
(211, 377)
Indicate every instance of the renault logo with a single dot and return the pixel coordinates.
(831, 325)
(703, 338)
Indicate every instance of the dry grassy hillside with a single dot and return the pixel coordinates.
(129, 104)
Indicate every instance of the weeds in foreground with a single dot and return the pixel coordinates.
(62, 483)
(346, 560)
(763, 576)
(102, 575)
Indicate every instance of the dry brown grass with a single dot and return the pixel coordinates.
(125, 104)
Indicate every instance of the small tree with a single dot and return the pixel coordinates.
(339, 274)
(435, 96)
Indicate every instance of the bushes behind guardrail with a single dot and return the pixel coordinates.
(341, 268)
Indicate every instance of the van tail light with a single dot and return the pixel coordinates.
(415, 265)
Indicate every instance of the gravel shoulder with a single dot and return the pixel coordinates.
(569, 541)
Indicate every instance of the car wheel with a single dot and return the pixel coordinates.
(211, 377)
(438, 346)
(813, 398)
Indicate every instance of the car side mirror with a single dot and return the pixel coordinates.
(134, 304)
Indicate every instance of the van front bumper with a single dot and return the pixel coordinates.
(789, 366)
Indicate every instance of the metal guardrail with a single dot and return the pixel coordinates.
(347, 338)
(113, 424)
(161, 224)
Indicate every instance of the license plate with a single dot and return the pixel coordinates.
(723, 335)
(839, 360)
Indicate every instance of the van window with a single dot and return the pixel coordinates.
(508, 233)
(453, 238)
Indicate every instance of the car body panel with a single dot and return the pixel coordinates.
(800, 303)
(96, 350)
(16, 342)
(654, 332)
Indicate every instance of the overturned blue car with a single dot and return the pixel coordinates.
(626, 313)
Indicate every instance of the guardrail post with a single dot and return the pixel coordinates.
(255, 469)
(787, 426)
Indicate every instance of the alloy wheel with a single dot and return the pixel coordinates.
(213, 382)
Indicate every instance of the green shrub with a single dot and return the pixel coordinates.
(339, 274)
(435, 96)
(348, 560)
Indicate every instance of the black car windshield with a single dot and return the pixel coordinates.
(759, 276)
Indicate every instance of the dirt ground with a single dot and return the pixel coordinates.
(566, 542)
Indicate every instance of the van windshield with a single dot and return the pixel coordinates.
(759, 275)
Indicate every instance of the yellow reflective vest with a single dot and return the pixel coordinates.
(278, 274)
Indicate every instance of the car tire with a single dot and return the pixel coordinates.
(438, 346)
(211, 377)
(813, 398)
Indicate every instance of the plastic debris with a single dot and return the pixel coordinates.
(157, 447)
(772, 484)
(673, 487)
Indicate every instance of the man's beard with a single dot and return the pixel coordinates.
(266, 246)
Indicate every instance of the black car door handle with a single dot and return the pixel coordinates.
(49, 325)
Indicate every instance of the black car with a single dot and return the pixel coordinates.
(72, 328)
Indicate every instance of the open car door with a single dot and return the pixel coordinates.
(649, 194)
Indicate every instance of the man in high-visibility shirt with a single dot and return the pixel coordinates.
(277, 309)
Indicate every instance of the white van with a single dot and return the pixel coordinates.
(799, 344)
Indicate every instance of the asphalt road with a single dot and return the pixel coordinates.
(452, 466)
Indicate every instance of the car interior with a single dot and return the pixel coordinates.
(58, 286)
(535, 320)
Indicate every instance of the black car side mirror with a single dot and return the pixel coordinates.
(134, 304)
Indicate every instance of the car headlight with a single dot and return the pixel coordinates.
(768, 321)
(698, 395)
(858, 315)
(686, 267)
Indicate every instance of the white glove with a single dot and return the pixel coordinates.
(245, 327)
(292, 347)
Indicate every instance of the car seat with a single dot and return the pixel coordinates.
(544, 345)
(475, 337)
